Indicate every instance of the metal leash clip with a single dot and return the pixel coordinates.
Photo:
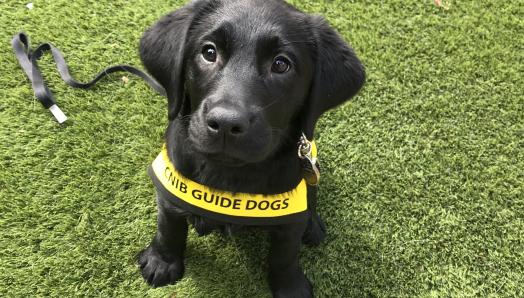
(309, 161)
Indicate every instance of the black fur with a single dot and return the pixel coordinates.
(234, 122)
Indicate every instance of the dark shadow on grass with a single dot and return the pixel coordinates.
(229, 266)
(343, 266)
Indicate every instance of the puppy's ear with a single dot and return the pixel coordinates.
(339, 75)
(162, 50)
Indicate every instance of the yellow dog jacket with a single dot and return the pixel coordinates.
(236, 208)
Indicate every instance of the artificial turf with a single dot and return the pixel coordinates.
(422, 187)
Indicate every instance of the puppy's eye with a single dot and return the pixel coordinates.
(281, 65)
(209, 52)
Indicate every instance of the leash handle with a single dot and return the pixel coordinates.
(28, 60)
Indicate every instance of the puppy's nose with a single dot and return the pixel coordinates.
(228, 121)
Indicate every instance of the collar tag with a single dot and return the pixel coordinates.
(307, 152)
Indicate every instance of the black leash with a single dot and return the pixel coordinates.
(28, 61)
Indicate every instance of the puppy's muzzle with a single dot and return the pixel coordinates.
(230, 133)
(228, 123)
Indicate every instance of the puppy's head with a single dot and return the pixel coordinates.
(250, 75)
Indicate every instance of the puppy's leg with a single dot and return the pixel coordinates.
(286, 277)
(162, 262)
(316, 229)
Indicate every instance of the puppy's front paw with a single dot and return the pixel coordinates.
(159, 270)
(298, 287)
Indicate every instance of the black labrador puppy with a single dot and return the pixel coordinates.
(245, 79)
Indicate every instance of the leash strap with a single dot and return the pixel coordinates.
(28, 61)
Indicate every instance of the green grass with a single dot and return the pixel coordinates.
(423, 178)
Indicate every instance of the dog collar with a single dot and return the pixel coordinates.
(239, 208)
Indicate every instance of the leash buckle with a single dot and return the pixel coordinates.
(57, 112)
